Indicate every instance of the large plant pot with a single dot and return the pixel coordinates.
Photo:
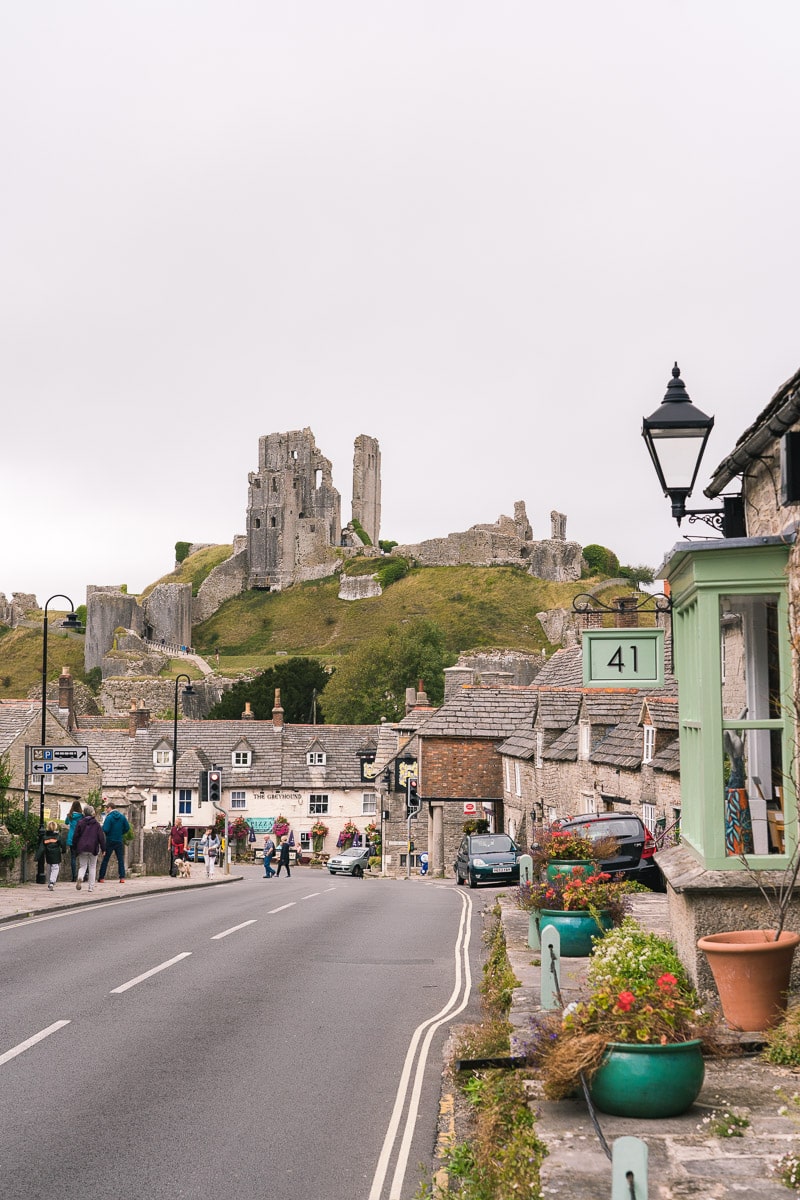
(565, 866)
(752, 972)
(576, 929)
(650, 1082)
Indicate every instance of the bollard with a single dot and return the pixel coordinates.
(534, 941)
(525, 868)
(551, 968)
(629, 1169)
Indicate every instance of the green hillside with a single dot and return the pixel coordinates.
(21, 658)
(476, 607)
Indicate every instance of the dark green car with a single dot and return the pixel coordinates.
(487, 858)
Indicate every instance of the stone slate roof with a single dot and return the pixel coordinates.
(563, 669)
(607, 706)
(564, 748)
(663, 711)
(476, 712)
(668, 759)
(520, 745)
(341, 744)
(15, 717)
(772, 422)
(112, 750)
(558, 707)
(411, 722)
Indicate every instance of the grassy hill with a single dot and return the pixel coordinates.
(476, 607)
(21, 658)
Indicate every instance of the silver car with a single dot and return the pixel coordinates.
(350, 862)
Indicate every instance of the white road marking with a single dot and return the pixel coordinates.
(31, 1041)
(311, 895)
(100, 906)
(233, 929)
(450, 1010)
(153, 971)
(282, 907)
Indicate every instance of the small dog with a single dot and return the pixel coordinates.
(184, 870)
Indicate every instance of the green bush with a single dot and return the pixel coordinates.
(386, 546)
(600, 560)
(25, 828)
(361, 531)
(391, 571)
(783, 1042)
(181, 551)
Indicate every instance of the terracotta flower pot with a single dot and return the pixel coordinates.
(752, 972)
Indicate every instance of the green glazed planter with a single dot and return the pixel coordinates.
(650, 1082)
(565, 866)
(576, 929)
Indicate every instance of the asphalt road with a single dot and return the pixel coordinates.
(274, 1036)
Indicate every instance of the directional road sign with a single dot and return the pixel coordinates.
(55, 760)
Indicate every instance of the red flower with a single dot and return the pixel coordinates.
(625, 1001)
(666, 982)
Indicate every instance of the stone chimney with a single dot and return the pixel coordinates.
(66, 696)
(411, 699)
(247, 715)
(421, 700)
(277, 711)
(138, 718)
(455, 678)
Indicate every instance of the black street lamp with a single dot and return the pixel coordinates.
(71, 622)
(187, 691)
(675, 436)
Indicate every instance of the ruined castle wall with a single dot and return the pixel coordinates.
(105, 612)
(158, 695)
(227, 580)
(168, 613)
(13, 611)
(367, 486)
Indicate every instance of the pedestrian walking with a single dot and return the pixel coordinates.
(52, 845)
(210, 843)
(178, 844)
(88, 841)
(283, 857)
(73, 816)
(115, 826)
(269, 854)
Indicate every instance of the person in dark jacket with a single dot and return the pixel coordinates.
(53, 844)
(74, 815)
(115, 826)
(88, 841)
(283, 858)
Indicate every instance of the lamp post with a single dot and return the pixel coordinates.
(187, 691)
(70, 623)
(676, 435)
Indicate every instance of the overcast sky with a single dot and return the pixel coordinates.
(481, 232)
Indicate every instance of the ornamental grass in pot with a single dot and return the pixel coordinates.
(637, 1039)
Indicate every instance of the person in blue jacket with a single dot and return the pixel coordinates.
(115, 826)
(73, 816)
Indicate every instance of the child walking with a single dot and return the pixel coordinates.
(53, 845)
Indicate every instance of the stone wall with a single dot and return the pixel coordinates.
(15, 610)
(158, 695)
(107, 611)
(227, 580)
(515, 666)
(168, 613)
(359, 587)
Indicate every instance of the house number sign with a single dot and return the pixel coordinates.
(623, 658)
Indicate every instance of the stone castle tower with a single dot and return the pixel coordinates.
(293, 512)
(367, 486)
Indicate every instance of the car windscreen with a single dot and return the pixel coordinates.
(495, 844)
(619, 827)
(353, 852)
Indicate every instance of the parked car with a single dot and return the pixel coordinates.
(195, 850)
(636, 845)
(350, 862)
(487, 858)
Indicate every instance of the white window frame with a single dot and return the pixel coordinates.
(517, 778)
(241, 758)
(649, 816)
(239, 800)
(162, 758)
(369, 804)
(537, 762)
(584, 740)
(507, 772)
(318, 804)
(185, 802)
(316, 758)
(305, 840)
(648, 743)
(154, 803)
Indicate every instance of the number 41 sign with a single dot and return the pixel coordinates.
(623, 658)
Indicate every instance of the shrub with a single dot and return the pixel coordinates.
(391, 571)
(361, 531)
(182, 551)
(783, 1042)
(386, 546)
(600, 560)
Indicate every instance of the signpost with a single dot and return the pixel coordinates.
(55, 760)
(619, 658)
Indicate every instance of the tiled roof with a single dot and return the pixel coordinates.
(663, 711)
(483, 713)
(563, 669)
(112, 750)
(558, 707)
(668, 759)
(411, 722)
(606, 706)
(519, 745)
(15, 717)
(564, 748)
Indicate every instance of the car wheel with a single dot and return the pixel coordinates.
(473, 883)
(459, 880)
(358, 872)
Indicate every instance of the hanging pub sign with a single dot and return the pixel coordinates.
(368, 769)
(404, 769)
(623, 658)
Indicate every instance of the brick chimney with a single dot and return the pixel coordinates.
(138, 718)
(247, 715)
(66, 696)
(277, 711)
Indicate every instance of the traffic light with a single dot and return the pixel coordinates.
(204, 787)
(413, 802)
(215, 786)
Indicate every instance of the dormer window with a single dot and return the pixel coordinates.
(316, 758)
(241, 758)
(649, 743)
(162, 757)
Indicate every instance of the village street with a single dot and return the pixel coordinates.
(261, 1037)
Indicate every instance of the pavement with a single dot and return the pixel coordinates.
(685, 1159)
